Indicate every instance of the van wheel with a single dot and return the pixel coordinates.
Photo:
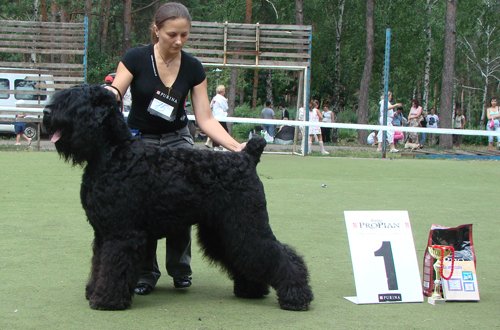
(30, 131)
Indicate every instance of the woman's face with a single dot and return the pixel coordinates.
(493, 102)
(173, 35)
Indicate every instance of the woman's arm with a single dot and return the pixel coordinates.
(392, 106)
(122, 80)
(208, 124)
(320, 116)
(416, 114)
(490, 116)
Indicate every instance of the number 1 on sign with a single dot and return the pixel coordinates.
(390, 270)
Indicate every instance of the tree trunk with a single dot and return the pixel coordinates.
(248, 20)
(88, 13)
(127, 24)
(248, 11)
(53, 18)
(299, 20)
(364, 87)
(338, 39)
(104, 23)
(299, 12)
(269, 87)
(44, 17)
(231, 98)
(446, 106)
(428, 52)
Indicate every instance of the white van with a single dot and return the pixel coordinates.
(11, 101)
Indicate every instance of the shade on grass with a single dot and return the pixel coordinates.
(45, 246)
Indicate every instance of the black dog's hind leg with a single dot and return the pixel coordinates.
(290, 279)
(270, 262)
(245, 288)
(94, 270)
(118, 273)
(213, 248)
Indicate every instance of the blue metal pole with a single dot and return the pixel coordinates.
(386, 86)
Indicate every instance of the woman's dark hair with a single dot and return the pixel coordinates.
(493, 98)
(415, 101)
(167, 11)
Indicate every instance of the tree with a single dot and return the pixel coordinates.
(428, 53)
(338, 39)
(104, 24)
(484, 56)
(364, 87)
(446, 108)
(127, 24)
(299, 12)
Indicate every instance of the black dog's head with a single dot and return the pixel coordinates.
(83, 120)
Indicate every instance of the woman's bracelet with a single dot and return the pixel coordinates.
(119, 94)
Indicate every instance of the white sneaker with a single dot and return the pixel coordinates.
(324, 152)
(394, 150)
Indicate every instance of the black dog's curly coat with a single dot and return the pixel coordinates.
(132, 191)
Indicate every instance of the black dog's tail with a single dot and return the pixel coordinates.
(255, 147)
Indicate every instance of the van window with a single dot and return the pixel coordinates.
(4, 85)
(22, 84)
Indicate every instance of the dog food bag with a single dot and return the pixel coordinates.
(460, 238)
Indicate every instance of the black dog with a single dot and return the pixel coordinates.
(132, 192)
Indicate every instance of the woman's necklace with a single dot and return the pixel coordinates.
(167, 63)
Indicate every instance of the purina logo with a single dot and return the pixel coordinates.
(388, 297)
(376, 224)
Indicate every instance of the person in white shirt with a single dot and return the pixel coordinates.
(390, 115)
(219, 108)
(328, 117)
(432, 122)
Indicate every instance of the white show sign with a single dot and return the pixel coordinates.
(383, 257)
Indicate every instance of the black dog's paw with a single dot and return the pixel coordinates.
(115, 306)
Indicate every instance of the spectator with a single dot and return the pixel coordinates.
(219, 108)
(372, 138)
(127, 101)
(19, 128)
(390, 116)
(432, 122)
(423, 123)
(414, 118)
(314, 131)
(268, 113)
(285, 134)
(328, 117)
(399, 119)
(458, 123)
(284, 112)
(493, 123)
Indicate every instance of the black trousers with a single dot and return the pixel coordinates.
(178, 254)
(326, 134)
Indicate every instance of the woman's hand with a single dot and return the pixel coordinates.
(241, 147)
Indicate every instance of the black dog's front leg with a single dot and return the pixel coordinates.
(117, 275)
(94, 270)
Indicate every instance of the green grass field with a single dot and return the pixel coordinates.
(46, 246)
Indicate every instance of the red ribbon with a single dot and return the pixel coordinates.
(443, 248)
